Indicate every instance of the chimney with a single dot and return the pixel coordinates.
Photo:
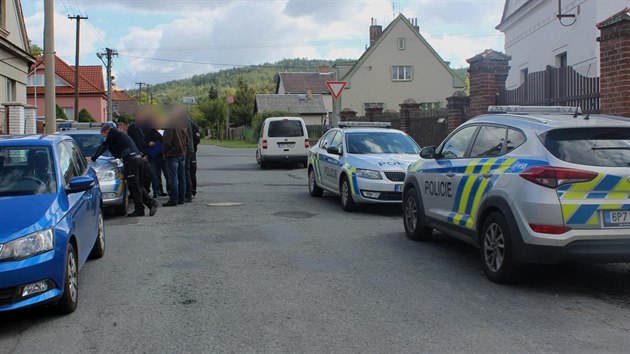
(324, 69)
(375, 32)
(309, 94)
(414, 23)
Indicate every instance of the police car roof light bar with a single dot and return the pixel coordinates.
(535, 109)
(365, 124)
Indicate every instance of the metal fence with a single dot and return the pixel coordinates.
(555, 87)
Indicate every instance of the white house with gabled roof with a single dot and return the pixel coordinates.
(398, 64)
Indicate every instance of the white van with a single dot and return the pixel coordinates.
(282, 139)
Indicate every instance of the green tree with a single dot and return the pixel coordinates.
(213, 93)
(211, 114)
(85, 116)
(242, 110)
(60, 113)
(36, 50)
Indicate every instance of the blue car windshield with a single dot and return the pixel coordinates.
(380, 143)
(89, 143)
(26, 170)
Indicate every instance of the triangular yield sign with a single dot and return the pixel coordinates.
(336, 88)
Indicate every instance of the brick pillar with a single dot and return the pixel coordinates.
(372, 111)
(487, 72)
(16, 118)
(457, 109)
(30, 120)
(614, 61)
(407, 109)
(347, 115)
(3, 121)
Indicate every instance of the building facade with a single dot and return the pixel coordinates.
(399, 64)
(15, 53)
(536, 38)
(303, 83)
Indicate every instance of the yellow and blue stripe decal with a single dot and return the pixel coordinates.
(118, 187)
(474, 186)
(574, 198)
(352, 172)
(316, 167)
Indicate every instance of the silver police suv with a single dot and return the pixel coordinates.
(527, 185)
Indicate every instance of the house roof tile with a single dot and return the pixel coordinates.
(91, 79)
(294, 103)
(300, 82)
(119, 95)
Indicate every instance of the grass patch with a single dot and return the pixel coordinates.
(229, 143)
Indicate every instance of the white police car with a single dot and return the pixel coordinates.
(363, 162)
(527, 185)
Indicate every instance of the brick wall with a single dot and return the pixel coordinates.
(487, 73)
(614, 47)
(16, 118)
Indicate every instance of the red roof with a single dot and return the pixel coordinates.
(118, 95)
(91, 81)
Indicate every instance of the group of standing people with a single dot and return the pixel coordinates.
(149, 152)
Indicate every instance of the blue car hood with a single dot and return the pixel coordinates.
(22, 215)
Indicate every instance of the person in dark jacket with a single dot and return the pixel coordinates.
(190, 156)
(156, 160)
(137, 131)
(196, 138)
(174, 148)
(136, 169)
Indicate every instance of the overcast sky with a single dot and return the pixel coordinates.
(198, 36)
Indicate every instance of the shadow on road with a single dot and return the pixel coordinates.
(607, 282)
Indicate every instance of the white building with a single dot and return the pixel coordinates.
(535, 37)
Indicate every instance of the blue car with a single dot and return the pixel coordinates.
(51, 221)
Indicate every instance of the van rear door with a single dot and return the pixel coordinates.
(286, 136)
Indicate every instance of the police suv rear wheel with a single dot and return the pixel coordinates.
(345, 191)
(413, 214)
(313, 188)
(496, 249)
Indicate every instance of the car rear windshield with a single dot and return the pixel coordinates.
(285, 128)
(605, 147)
(26, 170)
(380, 143)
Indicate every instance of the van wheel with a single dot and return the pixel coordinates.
(414, 219)
(70, 298)
(345, 191)
(313, 189)
(496, 250)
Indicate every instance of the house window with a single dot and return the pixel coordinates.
(115, 107)
(11, 92)
(401, 44)
(3, 13)
(524, 73)
(69, 111)
(402, 73)
(561, 60)
(39, 81)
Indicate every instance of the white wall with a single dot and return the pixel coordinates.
(536, 37)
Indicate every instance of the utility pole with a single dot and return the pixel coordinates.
(140, 91)
(49, 63)
(76, 65)
(109, 54)
(149, 94)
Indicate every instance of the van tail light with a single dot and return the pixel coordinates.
(553, 177)
(549, 229)
(264, 144)
(307, 144)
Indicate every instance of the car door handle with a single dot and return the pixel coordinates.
(450, 174)
(486, 175)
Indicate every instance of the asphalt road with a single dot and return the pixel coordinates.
(285, 272)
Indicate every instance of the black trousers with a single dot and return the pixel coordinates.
(137, 172)
(189, 186)
(193, 174)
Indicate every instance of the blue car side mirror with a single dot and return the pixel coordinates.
(80, 184)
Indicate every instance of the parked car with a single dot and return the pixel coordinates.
(282, 139)
(362, 162)
(527, 185)
(109, 170)
(51, 221)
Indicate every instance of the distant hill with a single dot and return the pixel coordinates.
(261, 77)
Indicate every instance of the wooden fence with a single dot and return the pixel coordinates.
(555, 87)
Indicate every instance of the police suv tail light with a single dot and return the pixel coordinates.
(307, 144)
(553, 177)
(549, 229)
(264, 144)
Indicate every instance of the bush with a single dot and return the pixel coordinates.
(60, 113)
(85, 116)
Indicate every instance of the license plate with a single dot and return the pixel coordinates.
(616, 218)
(286, 145)
(398, 188)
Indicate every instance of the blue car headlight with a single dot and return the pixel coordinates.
(369, 174)
(28, 246)
(105, 176)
